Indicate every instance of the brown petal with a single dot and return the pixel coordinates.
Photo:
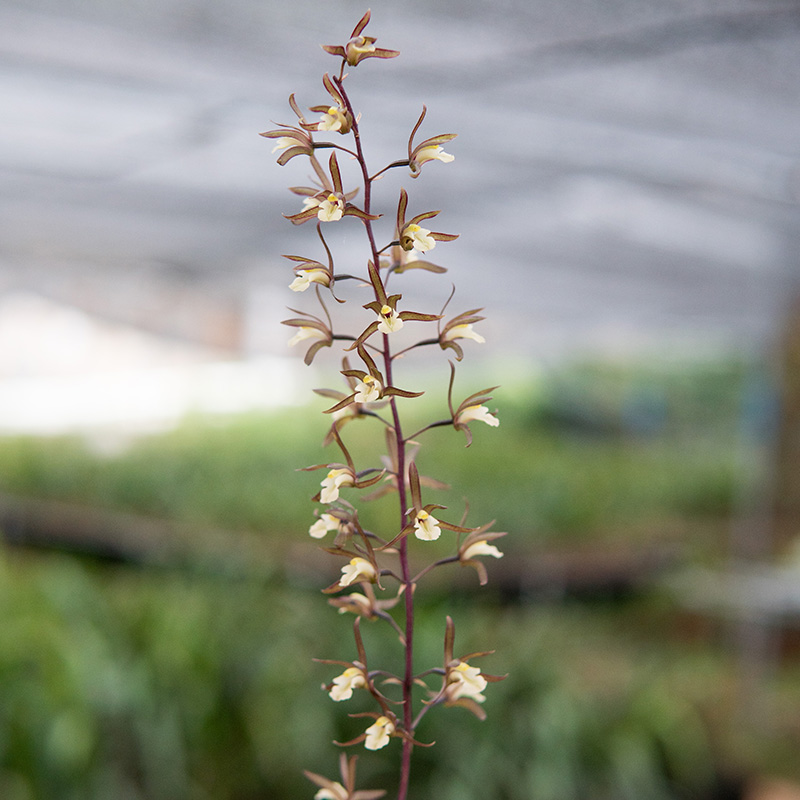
(361, 24)
(334, 49)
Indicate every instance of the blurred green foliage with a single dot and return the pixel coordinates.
(121, 682)
(124, 683)
(554, 475)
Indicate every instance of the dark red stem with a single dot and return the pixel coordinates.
(408, 678)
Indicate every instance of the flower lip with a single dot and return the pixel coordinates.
(433, 153)
(368, 389)
(465, 681)
(333, 481)
(424, 153)
(379, 733)
(477, 412)
(415, 237)
(344, 684)
(326, 522)
(357, 570)
(358, 47)
(334, 119)
(292, 141)
(306, 332)
(284, 142)
(331, 209)
(305, 277)
(480, 548)
(463, 331)
(426, 527)
(335, 792)
(389, 320)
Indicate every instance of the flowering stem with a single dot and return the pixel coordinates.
(438, 424)
(451, 560)
(372, 557)
(425, 709)
(404, 163)
(400, 443)
(332, 146)
(421, 343)
(390, 619)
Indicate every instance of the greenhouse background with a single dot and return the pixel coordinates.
(626, 185)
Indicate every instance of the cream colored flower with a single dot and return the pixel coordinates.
(480, 548)
(368, 390)
(326, 522)
(389, 320)
(462, 332)
(331, 208)
(465, 681)
(305, 332)
(480, 413)
(305, 277)
(343, 685)
(433, 153)
(293, 141)
(334, 119)
(335, 480)
(378, 733)
(426, 527)
(359, 569)
(284, 142)
(358, 47)
(418, 238)
(355, 603)
(336, 792)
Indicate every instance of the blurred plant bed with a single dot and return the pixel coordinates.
(607, 700)
(178, 684)
(755, 604)
(738, 725)
(608, 566)
(575, 498)
(125, 537)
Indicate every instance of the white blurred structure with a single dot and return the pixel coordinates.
(63, 370)
(627, 173)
